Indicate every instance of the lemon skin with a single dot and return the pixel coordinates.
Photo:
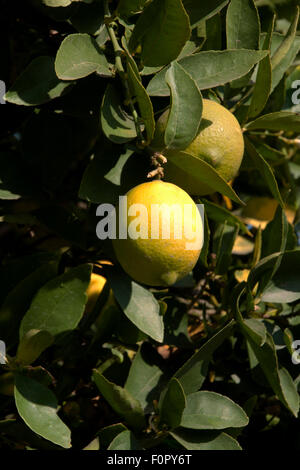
(219, 142)
(160, 261)
(96, 286)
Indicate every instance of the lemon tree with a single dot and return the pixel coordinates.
(139, 326)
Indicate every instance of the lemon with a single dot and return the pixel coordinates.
(165, 246)
(96, 285)
(219, 142)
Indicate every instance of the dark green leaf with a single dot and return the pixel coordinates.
(37, 406)
(274, 236)
(286, 52)
(205, 440)
(224, 241)
(199, 11)
(89, 18)
(127, 8)
(199, 172)
(144, 103)
(284, 286)
(279, 121)
(186, 108)
(146, 376)
(125, 441)
(206, 239)
(79, 56)
(210, 410)
(31, 346)
(117, 125)
(162, 30)
(120, 400)
(138, 304)
(265, 169)
(220, 214)
(108, 433)
(262, 87)
(19, 298)
(37, 84)
(172, 404)
(192, 374)
(59, 304)
(210, 69)
(279, 379)
(242, 25)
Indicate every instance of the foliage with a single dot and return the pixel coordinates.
(206, 363)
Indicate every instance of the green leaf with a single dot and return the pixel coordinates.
(262, 272)
(79, 56)
(279, 121)
(116, 124)
(210, 69)
(279, 379)
(242, 25)
(262, 87)
(37, 406)
(256, 330)
(205, 440)
(93, 445)
(138, 304)
(210, 410)
(37, 84)
(125, 441)
(274, 236)
(144, 103)
(31, 346)
(162, 30)
(286, 52)
(89, 19)
(199, 11)
(19, 298)
(186, 108)
(264, 168)
(284, 287)
(58, 306)
(172, 404)
(220, 214)
(200, 172)
(108, 433)
(120, 400)
(146, 376)
(224, 240)
(242, 31)
(58, 3)
(193, 372)
(128, 8)
(206, 238)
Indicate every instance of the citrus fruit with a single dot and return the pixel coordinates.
(161, 246)
(219, 142)
(94, 289)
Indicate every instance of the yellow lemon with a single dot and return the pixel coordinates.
(164, 234)
(94, 289)
(219, 142)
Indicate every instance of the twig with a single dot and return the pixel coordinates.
(157, 160)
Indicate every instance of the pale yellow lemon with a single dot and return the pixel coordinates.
(160, 261)
(219, 142)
